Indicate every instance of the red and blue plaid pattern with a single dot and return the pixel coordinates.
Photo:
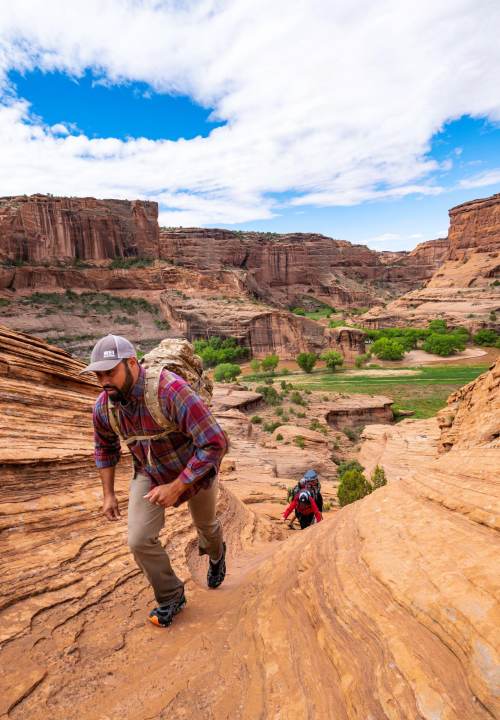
(193, 454)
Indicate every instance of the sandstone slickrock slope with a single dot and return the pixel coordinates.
(465, 289)
(390, 604)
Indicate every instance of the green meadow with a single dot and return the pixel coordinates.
(424, 392)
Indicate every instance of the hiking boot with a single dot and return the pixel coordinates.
(217, 571)
(164, 614)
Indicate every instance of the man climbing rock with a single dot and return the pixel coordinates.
(171, 466)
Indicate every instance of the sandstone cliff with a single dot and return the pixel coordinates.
(465, 289)
(41, 228)
(286, 269)
(260, 328)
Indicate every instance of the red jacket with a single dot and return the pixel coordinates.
(313, 509)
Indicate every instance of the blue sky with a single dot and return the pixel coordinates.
(364, 123)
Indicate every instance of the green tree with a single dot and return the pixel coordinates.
(444, 345)
(485, 337)
(299, 311)
(388, 349)
(306, 361)
(270, 363)
(255, 365)
(332, 358)
(378, 478)
(352, 487)
(438, 326)
(226, 372)
(347, 465)
(360, 360)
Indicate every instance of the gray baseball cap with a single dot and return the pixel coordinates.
(108, 352)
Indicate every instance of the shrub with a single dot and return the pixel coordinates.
(131, 262)
(226, 372)
(280, 411)
(438, 326)
(270, 363)
(306, 361)
(349, 465)
(317, 426)
(256, 419)
(270, 427)
(378, 478)
(299, 311)
(162, 324)
(268, 381)
(327, 506)
(301, 414)
(361, 360)
(297, 398)
(217, 350)
(299, 441)
(444, 345)
(485, 337)
(285, 371)
(388, 349)
(332, 358)
(271, 397)
(255, 365)
(352, 487)
(279, 437)
(493, 316)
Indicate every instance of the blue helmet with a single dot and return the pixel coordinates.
(310, 475)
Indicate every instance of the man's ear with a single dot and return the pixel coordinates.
(133, 363)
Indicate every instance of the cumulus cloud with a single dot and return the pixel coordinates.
(332, 103)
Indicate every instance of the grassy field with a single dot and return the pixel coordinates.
(424, 393)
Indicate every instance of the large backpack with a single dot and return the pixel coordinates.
(304, 507)
(175, 355)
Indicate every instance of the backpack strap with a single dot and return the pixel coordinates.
(151, 389)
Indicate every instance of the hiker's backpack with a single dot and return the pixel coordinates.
(304, 506)
(176, 355)
(312, 486)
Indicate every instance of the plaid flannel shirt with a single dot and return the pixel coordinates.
(193, 454)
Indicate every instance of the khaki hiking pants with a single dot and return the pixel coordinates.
(144, 524)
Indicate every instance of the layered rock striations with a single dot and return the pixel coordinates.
(465, 289)
(41, 228)
(391, 603)
(286, 269)
(262, 329)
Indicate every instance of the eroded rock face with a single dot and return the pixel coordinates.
(462, 290)
(285, 269)
(260, 328)
(357, 410)
(40, 228)
(472, 415)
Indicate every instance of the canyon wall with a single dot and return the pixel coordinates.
(286, 269)
(465, 289)
(262, 329)
(45, 229)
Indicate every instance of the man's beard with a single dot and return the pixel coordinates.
(121, 395)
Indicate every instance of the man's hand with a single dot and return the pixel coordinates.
(110, 507)
(166, 495)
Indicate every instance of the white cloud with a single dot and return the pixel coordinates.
(332, 102)
(490, 177)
